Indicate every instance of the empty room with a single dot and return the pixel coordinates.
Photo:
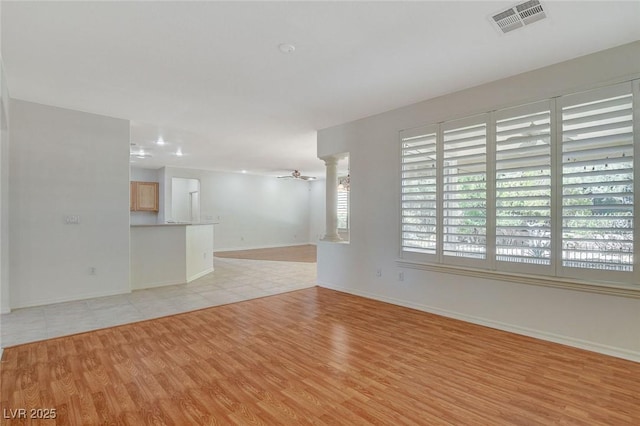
(319, 213)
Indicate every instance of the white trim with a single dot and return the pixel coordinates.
(262, 247)
(41, 302)
(542, 335)
(158, 284)
(612, 289)
(200, 274)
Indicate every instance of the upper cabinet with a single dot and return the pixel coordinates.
(144, 197)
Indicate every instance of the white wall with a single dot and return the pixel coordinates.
(4, 193)
(144, 175)
(66, 162)
(252, 211)
(158, 256)
(181, 190)
(199, 251)
(604, 323)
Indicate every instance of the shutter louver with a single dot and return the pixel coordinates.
(343, 209)
(597, 185)
(465, 192)
(523, 189)
(419, 193)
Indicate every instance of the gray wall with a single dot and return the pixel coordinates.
(64, 163)
(252, 211)
(605, 323)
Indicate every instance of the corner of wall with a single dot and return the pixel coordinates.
(5, 305)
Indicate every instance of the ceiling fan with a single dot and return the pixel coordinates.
(297, 175)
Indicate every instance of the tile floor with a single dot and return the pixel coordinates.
(233, 280)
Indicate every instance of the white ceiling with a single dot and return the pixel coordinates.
(209, 78)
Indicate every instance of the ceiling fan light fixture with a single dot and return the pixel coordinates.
(297, 175)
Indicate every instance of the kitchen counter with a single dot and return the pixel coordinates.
(170, 253)
(176, 224)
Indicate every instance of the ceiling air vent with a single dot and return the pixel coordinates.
(518, 16)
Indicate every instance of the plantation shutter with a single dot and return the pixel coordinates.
(523, 185)
(598, 180)
(465, 190)
(419, 191)
(343, 208)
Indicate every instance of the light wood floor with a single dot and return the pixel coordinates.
(316, 356)
(303, 253)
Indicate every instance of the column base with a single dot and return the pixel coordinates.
(332, 238)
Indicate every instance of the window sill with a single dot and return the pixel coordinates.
(539, 280)
(339, 242)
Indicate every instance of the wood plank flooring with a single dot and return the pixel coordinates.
(314, 356)
(302, 253)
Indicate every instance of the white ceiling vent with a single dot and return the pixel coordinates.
(518, 16)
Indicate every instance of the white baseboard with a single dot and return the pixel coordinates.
(200, 274)
(538, 334)
(82, 296)
(157, 284)
(261, 247)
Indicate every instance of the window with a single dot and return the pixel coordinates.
(343, 202)
(419, 190)
(343, 196)
(523, 186)
(465, 190)
(559, 200)
(597, 181)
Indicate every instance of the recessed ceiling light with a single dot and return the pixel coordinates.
(286, 48)
(160, 141)
(244, 171)
(141, 154)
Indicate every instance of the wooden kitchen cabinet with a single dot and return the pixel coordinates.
(144, 196)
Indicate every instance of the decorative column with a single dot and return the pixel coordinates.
(331, 233)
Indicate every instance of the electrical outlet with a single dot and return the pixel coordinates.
(378, 272)
(92, 270)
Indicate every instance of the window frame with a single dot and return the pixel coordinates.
(522, 110)
(418, 132)
(445, 127)
(577, 99)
